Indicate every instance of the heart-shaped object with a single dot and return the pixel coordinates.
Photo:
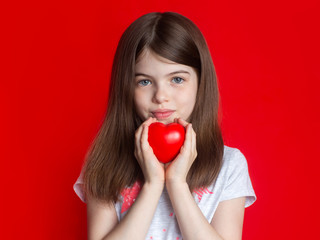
(166, 140)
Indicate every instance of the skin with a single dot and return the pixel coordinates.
(157, 88)
(163, 84)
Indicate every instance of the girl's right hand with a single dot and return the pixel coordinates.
(152, 169)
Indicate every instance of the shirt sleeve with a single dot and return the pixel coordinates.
(79, 189)
(238, 180)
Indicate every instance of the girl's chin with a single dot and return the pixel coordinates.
(166, 121)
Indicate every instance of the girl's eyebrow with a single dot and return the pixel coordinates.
(169, 74)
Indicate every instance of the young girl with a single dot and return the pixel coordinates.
(163, 71)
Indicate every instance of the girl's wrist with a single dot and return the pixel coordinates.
(176, 184)
(155, 186)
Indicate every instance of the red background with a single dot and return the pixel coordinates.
(57, 58)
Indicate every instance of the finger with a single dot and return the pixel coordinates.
(149, 121)
(188, 138)
(138, 133)
(144, 138)
(183, 122)
(191, 136)
(140, 129)
(194, 144)
(138, 138)
(147, 150)
(154, 120)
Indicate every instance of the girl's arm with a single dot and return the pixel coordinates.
(226, 223)
(228, 219)
(102, 220)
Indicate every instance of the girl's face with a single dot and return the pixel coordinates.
(164, 89)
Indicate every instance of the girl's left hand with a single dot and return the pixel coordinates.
(177, 170)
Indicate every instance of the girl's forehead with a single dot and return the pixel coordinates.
(148, 54)
(148, 60)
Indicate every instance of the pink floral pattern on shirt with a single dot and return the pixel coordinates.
(129, 196)
(201, 191)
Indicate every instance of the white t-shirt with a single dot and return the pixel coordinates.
(233, 181)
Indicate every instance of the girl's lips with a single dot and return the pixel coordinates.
(162, 114)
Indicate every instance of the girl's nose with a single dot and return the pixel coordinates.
(160, 95)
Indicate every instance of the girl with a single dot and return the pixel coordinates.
(163, 71)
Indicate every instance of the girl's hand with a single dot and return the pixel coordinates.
(177, 170)
(152, 169)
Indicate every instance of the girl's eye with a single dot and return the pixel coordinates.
(144, 82)
(178, 80)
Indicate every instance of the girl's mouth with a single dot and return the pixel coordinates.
(162, 114)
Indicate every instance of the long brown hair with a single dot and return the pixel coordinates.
(110, 164)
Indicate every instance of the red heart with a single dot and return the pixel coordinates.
(166, 140)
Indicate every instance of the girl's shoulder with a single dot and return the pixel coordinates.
(234, 176)
(233, 156)
(233, 181)
(234, 164)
